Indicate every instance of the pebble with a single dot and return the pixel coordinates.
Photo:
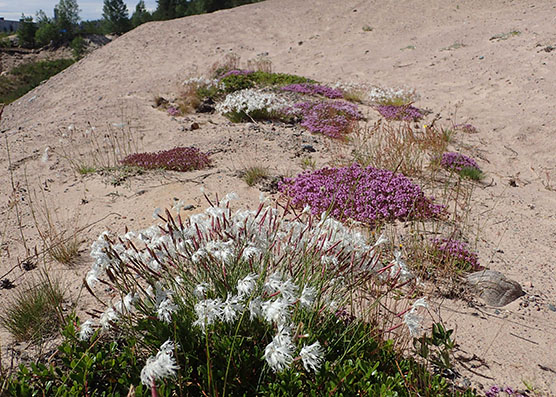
(552, 307)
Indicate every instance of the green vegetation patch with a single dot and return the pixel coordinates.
(24, 78)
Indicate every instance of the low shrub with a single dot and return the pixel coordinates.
(314, 89)
(448, 251)
(109, 367)
(400, 113)
(367, 195)
(259, 79)
(334, 119)
(178, 159)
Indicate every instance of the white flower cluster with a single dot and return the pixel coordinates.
(203, 81)
(274, 305)
(161, 366)
(380, 95)
(250, 100)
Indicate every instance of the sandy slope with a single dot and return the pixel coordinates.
(507, 88)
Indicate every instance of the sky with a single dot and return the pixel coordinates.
(90, 9)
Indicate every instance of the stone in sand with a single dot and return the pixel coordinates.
(495, 288)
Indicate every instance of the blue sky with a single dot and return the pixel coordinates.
(90, 9)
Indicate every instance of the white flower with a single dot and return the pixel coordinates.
(278, 353)
(207, 311)
(230, 309)
(400, 268)
(200, 290)
(288, 290)
(412, 319)
(274, 283)
(381, 240)
(276, 311)
(246, 285)
(92, 277)
(161, 366)
(312, 356)
(110, 315)
(308, 296)
(165, 309)
(156, 213)
(86, 330)
(250, 252)
(255, 308)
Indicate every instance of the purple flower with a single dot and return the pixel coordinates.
(172, 111)
(314, 89)
(469, 128)
(236, 72)
(368, 195)
(457, 251)
(334, 119)
(401, 113)
(177, 159)
(456, 162)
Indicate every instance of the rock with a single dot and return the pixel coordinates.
(194, 126)
(207, 106)
(552, 307)
(494, 288)
(308, 148)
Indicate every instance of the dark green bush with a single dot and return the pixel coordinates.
(105, 368)
(24, 78)
(261, 79)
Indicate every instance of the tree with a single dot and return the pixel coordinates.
(116, 16)
(141, 15)
(166, 9)
(66, 17)
(26, 32)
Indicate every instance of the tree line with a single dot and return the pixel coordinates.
(66, 27)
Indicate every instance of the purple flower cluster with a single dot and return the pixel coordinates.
(334, 119)
(314, 89)
(400, 113)
(367, 195)
(458, 252)
(469, 128)
(172, 111)
(177, 159)
(456, 161)
(236, 72)
(495, 391)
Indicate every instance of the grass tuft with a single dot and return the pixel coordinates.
(35, 312)
(254, 174)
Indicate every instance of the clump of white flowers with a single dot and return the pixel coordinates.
(251, 100)
(379, 95)
(262, 269)
(201, 81)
